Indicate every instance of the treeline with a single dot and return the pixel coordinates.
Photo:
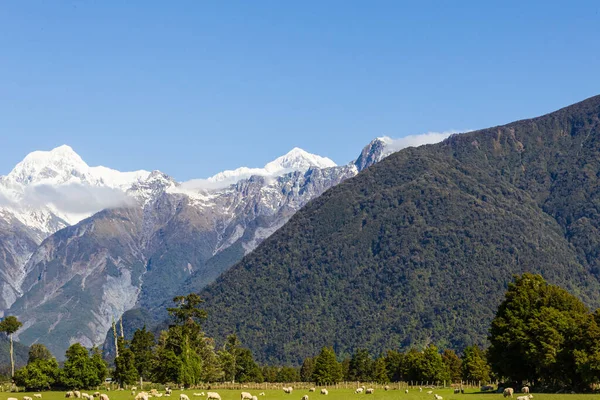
(541, 336)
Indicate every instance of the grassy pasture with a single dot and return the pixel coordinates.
(334, 394)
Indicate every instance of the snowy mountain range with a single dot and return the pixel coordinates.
(82, 245)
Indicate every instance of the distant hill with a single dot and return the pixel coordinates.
(419, 247)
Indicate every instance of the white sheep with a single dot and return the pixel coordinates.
(370, 391)
(324, 391)
(406, 391)
(312, 389)
(508, 392)
(261, 394)
(438, 397)
(254, 398)
(86, 396)
(183, 396)
(305, 397)
(96, 394)
(27, 398)
(246, 396)
(104, 396)
(420, 389)
(37, 395)
(386, 388)
(213, 396)
(358, 390)
(429, 391)
(527, 397)
(77, 394)
(288, 390)
(525, 389)
(12, 398)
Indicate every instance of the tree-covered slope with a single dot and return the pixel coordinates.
(419, 247)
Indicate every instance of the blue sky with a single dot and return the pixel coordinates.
(195, 87)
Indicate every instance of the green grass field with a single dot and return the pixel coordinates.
(334, 394)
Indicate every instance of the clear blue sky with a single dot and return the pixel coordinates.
(195, 87)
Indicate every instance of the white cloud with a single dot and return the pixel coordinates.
(74, 198)
(394, 145)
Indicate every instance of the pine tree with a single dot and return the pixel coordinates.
(361, 366)
(307, 368)
(327, 369)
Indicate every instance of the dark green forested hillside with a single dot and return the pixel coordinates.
(419, 247)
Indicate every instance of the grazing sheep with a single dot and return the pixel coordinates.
(141, 396)
(438, 397)
(213, 396)
(312, 389)
(305, 397)
(359, 390)
(68, 395)
(77, 394)
(288, 390)
(386, 388)
(86, 396)
(508, 392)
(27, 398)
(406, 391)
(525, 389)
(261, 394)
(254, 398)
(420, 389)
(104, 397)
(183, 396)
(246, 396)
(37, 395)
(370, 391)
(12, 398)
(96, 394)
(324, 391)
(429, 391)
(529, 396)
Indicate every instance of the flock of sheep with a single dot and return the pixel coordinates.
(507, 392)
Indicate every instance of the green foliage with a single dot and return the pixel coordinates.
(380, 373)
(361, 366)
(474, 365)
(247, 369)
(287, 374)
(38, 351)
(419, 247)
(543, 334)
(38, 374)
(327, 369)
(394, 361)
(10, 325)
(125, 372)
(142, 346)
(453, 365)
(307, 369)
(81, 371)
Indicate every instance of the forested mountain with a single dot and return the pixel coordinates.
(419, 247)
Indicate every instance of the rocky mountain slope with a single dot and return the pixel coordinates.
(419, 247)
(73, 272)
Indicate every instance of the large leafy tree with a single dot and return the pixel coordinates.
(247, 369)
(361, 366)
(327, 368)
(287, 374)
(432, 367)
(543, 333)
(453, 364)
(380, 373)
(78, 371)
(10, 325)
(307, 368)
(394, 361)
(125, 371)
(41, 371)
(142, 346)
(228, 357)
(474, 365)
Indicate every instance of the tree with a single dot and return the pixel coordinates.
(453, 364)
(229, 356)
(307, 368)
(78, 371)
(361, 366)
(394, 361)
(541, 333)
(125, 371)
(41, 371)
(38, 351)
(187, 310)
(99, 367)
(142, 346)
(432, 367)
(10, 325)
(247, 370)
(287, 374)
(327, 368)
(474, 365)
(380, 373)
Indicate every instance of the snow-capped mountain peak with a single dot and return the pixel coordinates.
(62, 165)
(295, 160)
